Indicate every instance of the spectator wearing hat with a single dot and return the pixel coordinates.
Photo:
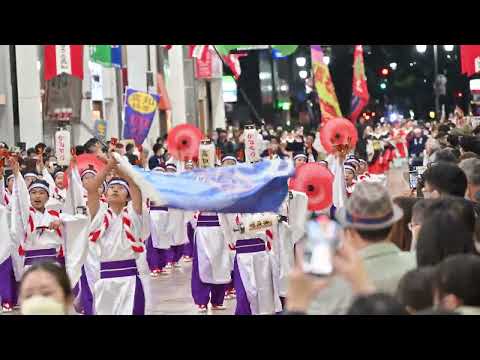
(368, 218)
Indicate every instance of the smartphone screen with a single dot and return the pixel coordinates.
(421, 169)
(323, 238)
(413, 178)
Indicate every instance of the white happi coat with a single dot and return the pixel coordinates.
(339, 185)
(161, 238)
(287, 234)
(57, 196)
(7, 243)
(116, 296)
(214, 259)
(24, 232)
(259, 271)
(177, 226)
(76, 225)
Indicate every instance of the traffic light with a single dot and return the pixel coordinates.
(385, 72)
(459, 94)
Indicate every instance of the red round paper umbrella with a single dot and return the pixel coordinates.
(184, 141)
(84, 162)
(316, 182)
(338, 133)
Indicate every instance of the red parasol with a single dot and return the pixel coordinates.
(316, 182)
(338, 132)
(84, 162)
(184, 141)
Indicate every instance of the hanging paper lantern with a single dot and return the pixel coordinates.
(316, 181)
(184, 142)
(286, 50)
(338, 134)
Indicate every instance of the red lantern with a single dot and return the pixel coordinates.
(316, 181)
(84, 162)
(338, 134)
(184, 141)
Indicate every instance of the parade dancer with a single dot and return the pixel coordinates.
(230, 293)
(191, 217)
(159, 240)
(81, 261)
(400, 139)
(350, 178)
(300, 159)
(256, 271)
(35, 229)
(6, 191)
(115, 235)
(289, 230)
(363, 173)
(8, 281)
(57, 190)
(211, 268)
(177, 227)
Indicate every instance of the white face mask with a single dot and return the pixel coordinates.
(42, 305)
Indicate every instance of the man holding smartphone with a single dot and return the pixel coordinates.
(367, 220)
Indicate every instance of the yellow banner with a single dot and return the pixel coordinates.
(324, 85)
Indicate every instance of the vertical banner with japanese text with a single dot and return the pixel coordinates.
(140, 108)
(323, 83)
(62, 147)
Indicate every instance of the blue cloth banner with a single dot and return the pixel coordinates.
(140, 108)
(117, 56)
(244, 188)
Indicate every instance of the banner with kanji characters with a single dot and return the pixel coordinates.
(140, 108)
(323, 83)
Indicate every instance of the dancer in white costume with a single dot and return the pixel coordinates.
(159, 241)
(289, 230)
(8, 254)
(36, 230)
(256, 271)
(212, 263)
(177, 228)
(116, 237)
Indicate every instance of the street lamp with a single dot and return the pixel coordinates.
(303, 74)
(448, 48)
(421, 48)
(301, 61)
